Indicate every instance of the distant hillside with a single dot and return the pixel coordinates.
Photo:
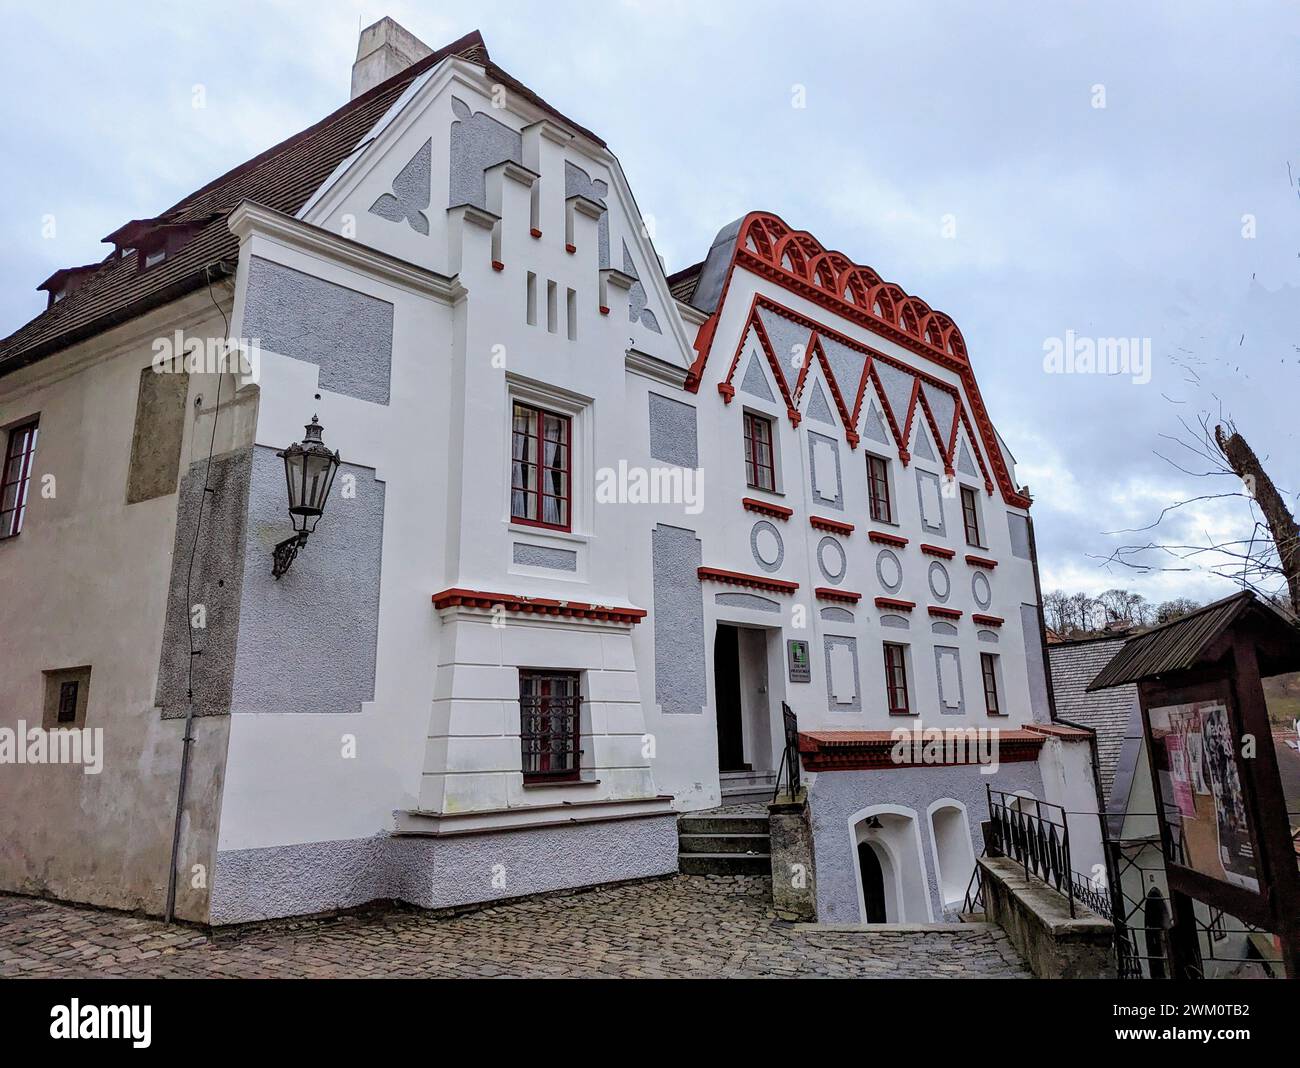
(1282, 692)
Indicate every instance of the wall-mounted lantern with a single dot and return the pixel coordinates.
(309, 470)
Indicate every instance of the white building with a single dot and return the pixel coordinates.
(581, 517)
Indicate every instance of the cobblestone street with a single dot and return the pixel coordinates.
(684, 926)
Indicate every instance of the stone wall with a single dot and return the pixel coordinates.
(1037, 919)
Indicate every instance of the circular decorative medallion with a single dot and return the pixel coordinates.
(831, 559)
(766, 545)
(980, 589)
(889, 571)
(940, 584)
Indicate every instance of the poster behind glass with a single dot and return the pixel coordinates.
(1200, 787)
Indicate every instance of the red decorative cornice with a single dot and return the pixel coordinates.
(881, 538)
(795, 260)
(833, 525)
(895, 604)
(981, 561)
(776, 511)
(870, 750)
(829, 593)
(944, 613)
(534, 231)
(460, 598)
(987, 621)
(497, 265)
(938, 550)
(739, 578)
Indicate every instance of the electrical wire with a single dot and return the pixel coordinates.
(188, 737)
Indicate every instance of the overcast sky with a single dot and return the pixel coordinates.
(958, 149)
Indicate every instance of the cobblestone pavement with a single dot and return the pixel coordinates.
(687, 926)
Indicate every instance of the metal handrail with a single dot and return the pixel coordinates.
(1037, 840)
(789, 755)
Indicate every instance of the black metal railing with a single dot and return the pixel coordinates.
(974, 892)
(1093, 894)
(1035, 835)
(789, 756)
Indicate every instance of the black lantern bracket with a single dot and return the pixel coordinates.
(309, 470)
(286, 552)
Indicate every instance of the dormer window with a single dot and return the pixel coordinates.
(154, 239)
(66, 280)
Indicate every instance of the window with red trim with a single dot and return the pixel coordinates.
(989, 668)
(541, 467)
(970, 514)
(896, 679)
(760, 470)
(15, 477)
(878, 489)
(550, 716)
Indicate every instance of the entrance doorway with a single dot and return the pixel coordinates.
(873, 883)
(726, 688)
(748, 731)
(1155, 918)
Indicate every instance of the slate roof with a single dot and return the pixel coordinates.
(282, 178)
(1074, 665)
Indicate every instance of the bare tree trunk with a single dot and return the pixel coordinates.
(1281, 524)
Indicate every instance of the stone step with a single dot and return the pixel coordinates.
(758, 844)
(722, 824)
(747, 795)
(725, 863)
(746, 779)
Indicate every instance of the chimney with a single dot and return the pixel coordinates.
(385, 49)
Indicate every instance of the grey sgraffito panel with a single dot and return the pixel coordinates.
(674, 436)
(478, 141)
(680, 685)
(348, 335)
(332, 587)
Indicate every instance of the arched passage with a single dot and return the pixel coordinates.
(892, 837)
(872, 874)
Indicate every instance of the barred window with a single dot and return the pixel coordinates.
(550, 712)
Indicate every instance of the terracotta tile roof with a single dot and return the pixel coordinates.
(282, 177)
